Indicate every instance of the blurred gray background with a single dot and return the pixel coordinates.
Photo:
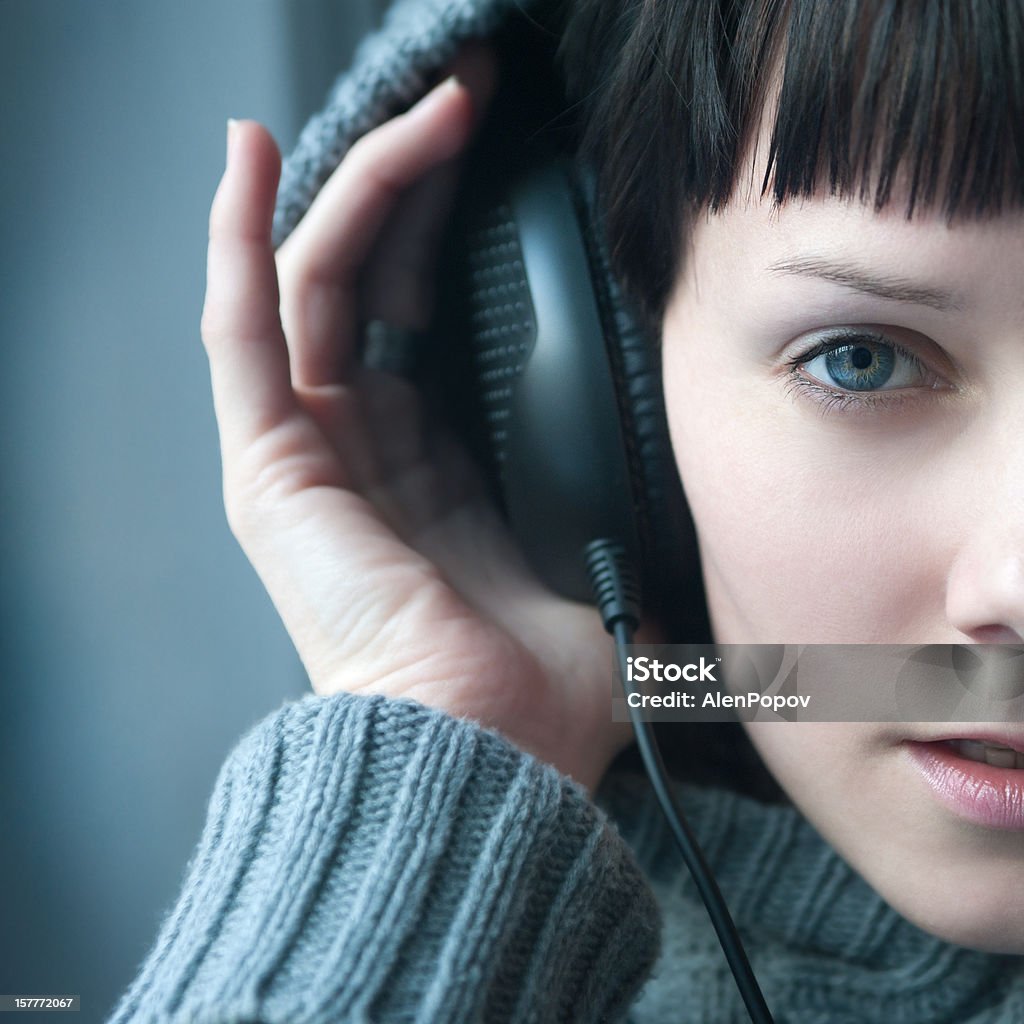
(137, 643)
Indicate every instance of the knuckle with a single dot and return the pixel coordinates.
(221, 221)
(367, 159)
(234, 511)
(249, 502)
(240, 509)
(362, 151)
(209, 327)
(213, 325)
(241, 523)
(292, 282)
(297, 273)
(261, 478)
(285, 259)
(245, 501)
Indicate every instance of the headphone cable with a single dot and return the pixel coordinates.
(617, 595)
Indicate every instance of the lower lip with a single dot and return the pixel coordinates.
(979, 793)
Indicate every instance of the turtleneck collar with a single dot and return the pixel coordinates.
(809, 921)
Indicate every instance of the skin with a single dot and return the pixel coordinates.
(898, 523)
(393, 575)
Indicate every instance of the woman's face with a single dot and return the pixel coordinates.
(867, 494)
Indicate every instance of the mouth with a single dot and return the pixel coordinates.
(999, 753)
(979, 778)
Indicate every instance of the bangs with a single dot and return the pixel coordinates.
(930, 89)
(878, 99)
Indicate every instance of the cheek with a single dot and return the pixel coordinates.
(806, 534)
(813, 760)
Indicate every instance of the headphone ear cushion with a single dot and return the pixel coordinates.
(673, 581)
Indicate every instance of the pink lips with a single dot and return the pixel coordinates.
(980, 793)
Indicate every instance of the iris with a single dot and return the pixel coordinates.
(861, 367)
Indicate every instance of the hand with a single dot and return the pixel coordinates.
(367, 523)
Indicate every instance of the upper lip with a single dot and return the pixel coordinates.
(997, 738)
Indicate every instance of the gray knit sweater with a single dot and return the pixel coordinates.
(367, 859)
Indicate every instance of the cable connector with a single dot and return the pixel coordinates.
(617, 595)
(614, 582)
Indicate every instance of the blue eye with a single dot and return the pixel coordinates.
(860, 370)
(865, 365)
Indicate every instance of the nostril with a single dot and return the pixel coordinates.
(995, 635)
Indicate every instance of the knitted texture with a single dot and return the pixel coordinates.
(390, 71)
(825, 947)
(374, 860)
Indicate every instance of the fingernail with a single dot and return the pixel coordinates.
(232, 125)
(438, 93)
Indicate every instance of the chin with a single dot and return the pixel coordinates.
(987, 921)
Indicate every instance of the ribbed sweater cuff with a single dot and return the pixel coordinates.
(372, 859)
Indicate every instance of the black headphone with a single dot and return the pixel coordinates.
(556, 387)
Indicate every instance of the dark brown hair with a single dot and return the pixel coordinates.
(668, 94)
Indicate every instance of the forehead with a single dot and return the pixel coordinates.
(842, 224)
(732, 267)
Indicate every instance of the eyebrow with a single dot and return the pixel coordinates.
(897, 289)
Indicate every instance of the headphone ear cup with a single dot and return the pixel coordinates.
(550, 379)
(673, 582)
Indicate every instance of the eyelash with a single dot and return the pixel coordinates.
(835, 400)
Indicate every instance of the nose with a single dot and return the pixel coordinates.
(985, 587)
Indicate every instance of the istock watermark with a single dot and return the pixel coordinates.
(641, 669)
(822, 682)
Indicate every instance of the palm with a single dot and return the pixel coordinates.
(414, 587)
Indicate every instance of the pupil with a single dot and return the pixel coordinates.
(861, 358)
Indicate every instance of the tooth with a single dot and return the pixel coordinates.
(972, 749)
(987, 753)
(1000, 757)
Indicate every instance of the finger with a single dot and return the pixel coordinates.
(241, 327)
(393, 413)
(321, 261)
(397, 285)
